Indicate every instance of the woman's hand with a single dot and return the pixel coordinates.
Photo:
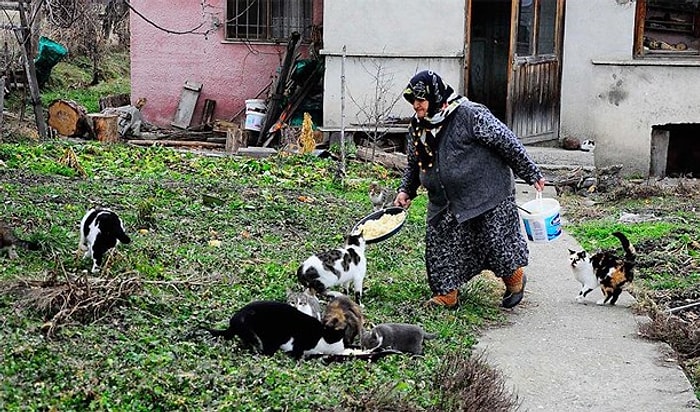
(402, 200)
(539, 185)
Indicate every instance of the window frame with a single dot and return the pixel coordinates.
(265, 23)
(639, 51)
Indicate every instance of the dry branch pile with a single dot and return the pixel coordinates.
(83, 300)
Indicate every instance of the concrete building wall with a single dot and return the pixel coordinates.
(401, 37)
(161, 62)
(614, 99)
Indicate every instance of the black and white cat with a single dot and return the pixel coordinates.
(8, 241)
(403, 337)
(340, 266)
(605, 270)
(268, 326)
(306, 302)
(100, 229)
(588, 145)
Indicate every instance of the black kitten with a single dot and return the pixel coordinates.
(266, 326)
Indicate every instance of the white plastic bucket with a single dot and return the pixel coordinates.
(541, 219)
(254, 114)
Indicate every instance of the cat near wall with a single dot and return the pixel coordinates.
(267, 326)
(100, 229)
(605, 270)
(340, 266)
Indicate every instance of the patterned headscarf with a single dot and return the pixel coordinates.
(428, 85)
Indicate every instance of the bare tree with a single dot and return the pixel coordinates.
(374, 112)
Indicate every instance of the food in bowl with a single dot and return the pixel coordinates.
(375, 228)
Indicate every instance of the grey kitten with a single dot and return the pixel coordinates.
(306, 302)
(403, 337)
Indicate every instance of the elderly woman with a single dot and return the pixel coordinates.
(465, 158)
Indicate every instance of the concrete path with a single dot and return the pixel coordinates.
(559, 355)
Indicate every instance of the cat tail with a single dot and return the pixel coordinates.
(630, 255)
(123, 237)
(227, 334)
(630, 252)
(430, 336)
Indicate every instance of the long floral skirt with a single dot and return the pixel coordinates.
(455, 253)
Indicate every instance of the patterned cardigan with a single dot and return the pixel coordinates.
(474, 164)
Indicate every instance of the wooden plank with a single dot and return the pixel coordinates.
(209, 106)
(9, 5)
(184, 143)
(188, 101)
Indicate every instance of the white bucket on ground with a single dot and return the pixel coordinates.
(542, 223)
(254, 114)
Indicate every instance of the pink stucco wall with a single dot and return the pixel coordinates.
(161, 62)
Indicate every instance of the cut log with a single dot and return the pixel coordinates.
(69, 119)
(396, 161)
(105, 127)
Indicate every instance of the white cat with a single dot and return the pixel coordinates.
(583, 271)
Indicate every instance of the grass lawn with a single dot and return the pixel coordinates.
(135, 346)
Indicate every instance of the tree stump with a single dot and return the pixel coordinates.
(105, 127)
(69, 119)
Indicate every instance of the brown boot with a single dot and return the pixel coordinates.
(515, 288)
(449, 300)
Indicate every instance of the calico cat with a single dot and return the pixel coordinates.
(8, 242)
(100, 229)
(403, 337)
(339, 266)
(306, 302)
(381, 198)
(268, 326)
(342, 314)
(605, 270)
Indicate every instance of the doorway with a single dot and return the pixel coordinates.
(514, 63)
(489, 53)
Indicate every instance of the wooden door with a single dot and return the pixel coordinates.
(534, 76)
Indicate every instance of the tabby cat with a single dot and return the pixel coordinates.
(343, 314)
(340, 266)
(100, 229)
(268, 326)
(604, 269)
(380, 197)
(306, 302)
(8, 242)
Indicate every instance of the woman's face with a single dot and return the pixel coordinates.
(421, 108)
